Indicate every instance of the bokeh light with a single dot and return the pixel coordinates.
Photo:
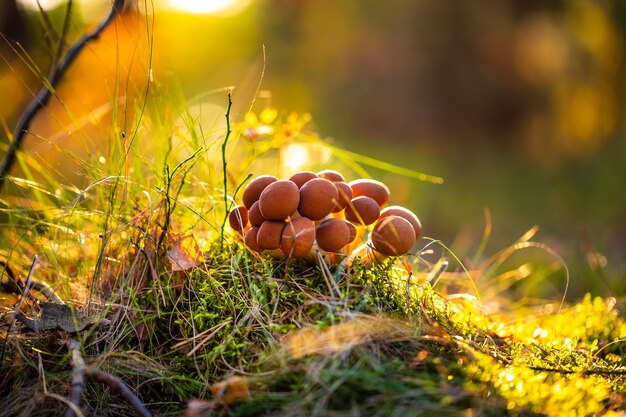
(218, 7)
(45, 4)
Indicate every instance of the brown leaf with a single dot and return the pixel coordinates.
(184, 252)
(198, 408)
(56, 316)
(231, 390)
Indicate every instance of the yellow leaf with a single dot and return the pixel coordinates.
(184, 252)
(231, 390)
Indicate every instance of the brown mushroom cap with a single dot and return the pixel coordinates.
(317, 198)
(255, 188)
(238, 218)
(330, 175)
(352, 231)
(362, 211)
(279, 199)
(345, 195)
(333, 235)
(250, 239)
(370, 188)
(393, 236)
(269, 234)
(300, 178)
(254, 215)
(298, 237)
(405, 214)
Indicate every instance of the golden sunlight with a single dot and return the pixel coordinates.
(45, 4)
(221, 7)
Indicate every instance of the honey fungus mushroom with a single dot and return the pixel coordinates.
(300, 178)
(298, 237)
(362, 211)
(270, 234)
(318, 198)
(393, 236)
(255, 188)
(250, 239)
(238, 218)
(331, 175)
(254, 215)
(406, 214)
(279, 200)
(376, 190)
(345, 195)
(333, 235)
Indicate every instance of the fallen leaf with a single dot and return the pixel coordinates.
(340, 337)
(231, 390)
(56, 316)
(184, 252)
(198, 408)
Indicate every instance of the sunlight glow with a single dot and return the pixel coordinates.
(225, 7)
(295, 156)
(45, 4)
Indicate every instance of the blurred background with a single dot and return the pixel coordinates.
(517, 104)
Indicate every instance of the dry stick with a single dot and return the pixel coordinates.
(42, 98)
(29, 284)
(78, 378)
(121, 388)
(79, 371)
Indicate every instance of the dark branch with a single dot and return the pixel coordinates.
(42, 98)
(78, 377)
(122, 389)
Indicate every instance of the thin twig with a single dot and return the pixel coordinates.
(47, 291)
(45, 93)
(78, 378)
(122, 389)
(29, 284)
(224, 170)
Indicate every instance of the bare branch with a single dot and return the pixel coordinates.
(121, 388)
(42, 98)
(78, 378)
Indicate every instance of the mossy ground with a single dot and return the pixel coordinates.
(190, 308)
(303, 350)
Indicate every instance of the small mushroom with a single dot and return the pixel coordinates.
(300, 178)
(238, 218)
(393, 236)
(250, 239)
(298, 237)
(405, 214)
(333, 235)
(255, 188)
(370, 188)
(362, 211)
(317, 198)
(254, 215)
(345, 195)
(352, 231)
(279, 199)
(269, 234)
(330, 175)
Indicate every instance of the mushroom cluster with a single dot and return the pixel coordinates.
(321, 210)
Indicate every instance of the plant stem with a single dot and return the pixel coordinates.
(224, 165)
